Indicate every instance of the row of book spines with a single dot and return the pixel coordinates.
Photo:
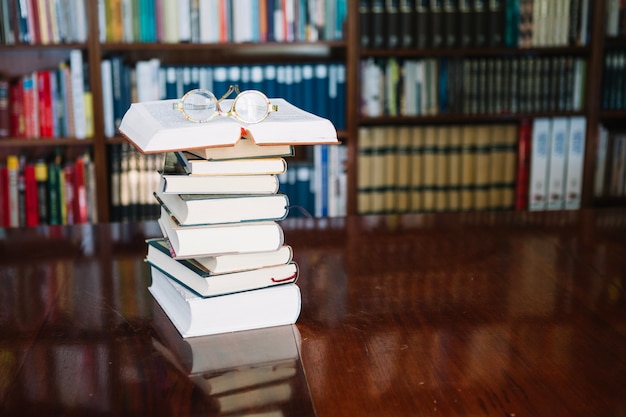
(472, 23)
(43, 22)
(614, 81)
(221, 21)
(319, 88)
(431, 86)
(46, 192)
(610, 175)
(428, 168)
(134, 178)
(49, 103)
(317, 188)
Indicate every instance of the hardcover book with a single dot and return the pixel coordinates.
(207, 284)
(205, 240)
(193, 315)
(197, 209)
(194, 165)
(155, 126)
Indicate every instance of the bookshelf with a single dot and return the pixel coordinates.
(22, 58)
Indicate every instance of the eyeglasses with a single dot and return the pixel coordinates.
(201, 106)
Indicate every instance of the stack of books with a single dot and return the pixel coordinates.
(222, 264)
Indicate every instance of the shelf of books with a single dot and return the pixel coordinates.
(363, 65)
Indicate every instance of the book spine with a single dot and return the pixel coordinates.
(364, 24)
(436, 24)
(377, 12)
(479, 12)
(540, 151)
(496, 23)
(422, 23)
(407, 35)
(451, 23)
(523, 165)
(13, 192)
(392, 23)
(5, 111)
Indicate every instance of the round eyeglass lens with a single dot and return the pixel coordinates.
(251, 106)
(199, 105)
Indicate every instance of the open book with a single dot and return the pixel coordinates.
(154, 126)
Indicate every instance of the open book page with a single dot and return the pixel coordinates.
(155, 126)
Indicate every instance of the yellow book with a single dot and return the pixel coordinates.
(430, 168)
(468, 167)
(442, 178)
(364, 169)
(403, 167)
(483, 162)
(378, 169)
(417, 168)
(454, 168)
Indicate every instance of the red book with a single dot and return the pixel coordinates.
(523, 165)
(80, 192)
(31, 111)
(31, 200)
(44, 92)
(17, 121)
(4, 196)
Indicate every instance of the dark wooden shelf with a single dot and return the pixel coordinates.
(476, 52)
(461, 118)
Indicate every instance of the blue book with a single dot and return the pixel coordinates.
(340, 119)
(269, 81)
(220, 80)
(171, 91)
(320, 80)
(308, 88)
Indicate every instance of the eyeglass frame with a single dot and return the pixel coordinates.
(179, 105)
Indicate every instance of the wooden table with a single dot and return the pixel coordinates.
(504, 314)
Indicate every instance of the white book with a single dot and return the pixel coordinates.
(155, 126)
(78, 94)
(575, 162)
(218, 184)
(195, 165)
(208, 284)
(556, 163)
(218, 239)
(148, 79)
(107, 98)
(539, 154)
(198, 209)
(193, 315)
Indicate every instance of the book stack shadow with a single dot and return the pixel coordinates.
(222, 264)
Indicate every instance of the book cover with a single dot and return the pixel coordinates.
(193, 315)
(207, 284)
(206, 240)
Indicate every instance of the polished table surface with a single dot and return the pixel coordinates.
(470, 314)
